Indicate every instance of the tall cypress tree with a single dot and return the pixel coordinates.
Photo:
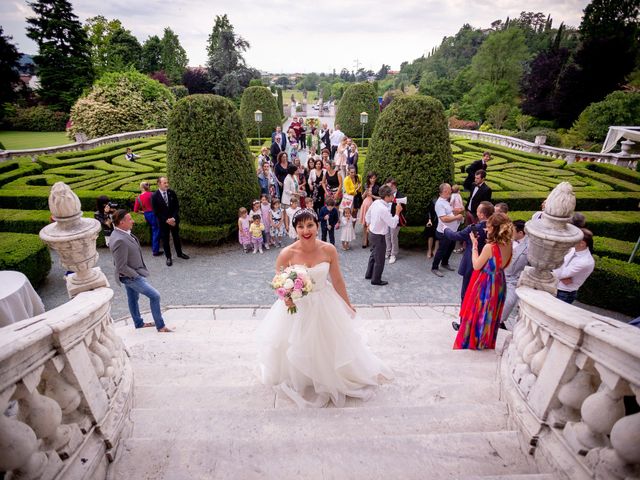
(173, 58)
(9, 76)
(64, 54)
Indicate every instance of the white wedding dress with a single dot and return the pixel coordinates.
(316, 354)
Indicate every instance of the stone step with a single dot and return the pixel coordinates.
(270, 424)
(437, 456)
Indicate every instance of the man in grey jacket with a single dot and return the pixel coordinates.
(131, 271)
(515, 268)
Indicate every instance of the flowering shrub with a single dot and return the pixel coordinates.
(455, 122)
(34, 119)
(121, 102)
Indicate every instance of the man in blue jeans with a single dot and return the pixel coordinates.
(131, 271)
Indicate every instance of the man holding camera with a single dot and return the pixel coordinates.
(166, 209)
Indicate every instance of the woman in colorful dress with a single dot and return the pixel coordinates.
(483, 302)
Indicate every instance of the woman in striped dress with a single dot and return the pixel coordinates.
(481, 308)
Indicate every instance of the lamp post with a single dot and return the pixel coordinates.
(364, 119)
(257, 116)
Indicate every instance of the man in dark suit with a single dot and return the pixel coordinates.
(166, 209)
(473, 168)
(283, 137)
(481, 193)
(276, 148)
(131, 271)
(484, 211)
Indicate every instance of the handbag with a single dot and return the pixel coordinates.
(347, 201)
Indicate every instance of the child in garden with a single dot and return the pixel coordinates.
(244, 236)
(277, 222)
(308, 203)
(289, 212)
(329, 218)
(348, 234)
(265, 210)
(458, 207)
(256, 230)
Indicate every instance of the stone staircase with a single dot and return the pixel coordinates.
(200, 411)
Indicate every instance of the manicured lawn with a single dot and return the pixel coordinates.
(286, 96)
(27, 140)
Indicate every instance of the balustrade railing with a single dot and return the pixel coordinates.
(66, 388)
(573, 380)
(570, 156)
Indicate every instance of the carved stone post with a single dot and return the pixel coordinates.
(550, 238)
(74, 238)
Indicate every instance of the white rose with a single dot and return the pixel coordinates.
(296, 294)
(288, 284)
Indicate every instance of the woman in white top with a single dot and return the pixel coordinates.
(291, 187)
(340, 159)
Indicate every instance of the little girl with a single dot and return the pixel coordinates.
(265, 210)
(348, 234)
(290, 212)
(458, 207)
(256, 230)
(244, 237)
(277, 222)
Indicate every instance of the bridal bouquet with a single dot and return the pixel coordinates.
(292, 283)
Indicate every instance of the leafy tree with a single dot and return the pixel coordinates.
(221, 24)
(256, 82)
(412, 136)
(9, 76)
(310, 82)
(282, 80)
(64, 54)
(113, 48)
(357, 98)
(151, 54)
(125, 51)
(173, 58)
(497, 114)
(196, 79)
(259, 98)
(383, 72)
(208, 160)
(122, 102)
(501, 59)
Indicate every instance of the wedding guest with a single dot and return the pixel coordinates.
(280, 137)
(446, 218)
(347, 232)
(316, 183)
(576, 268)
(293, 142)
(369, 195)
(131, 271)
(291, 187)
(325, 138)
(329, 218)
(268, 182)
(244, 236)
(302, 175)
(352, 155)
(481, 193)
(458, 207)
(276, 149)
(332, 182)
(104, 210)
(380, 220)
(430, 230)
(335, 139)
(167, 211)
(340, 158)
(263, 158)
(256, 229)
(482, 306)
(515, 268)
(501, 207)
(281, 169)
(288, 222)
(352, 191)
(143, 204)
(265, 218)
(392, 233)
(130, 156)
(473, 168)
(302, 135)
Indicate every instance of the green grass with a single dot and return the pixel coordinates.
(286, 96)
(28, 140)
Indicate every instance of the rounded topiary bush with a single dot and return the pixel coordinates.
(121, 102)
(358, 98)
(208, 160)
(259, 98)
(411, 144)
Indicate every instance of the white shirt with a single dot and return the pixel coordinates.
(379, 217)
(444, 208)
(336, 137)
(128, 232)
(578, 266)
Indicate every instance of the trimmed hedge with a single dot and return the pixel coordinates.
(259, 98)
(614, 285)
(25, 253)
(619, 225)
(411, 143)
(412, 237)
(357, 98)
(35, 119)
(586, 201)
(614, 248)
(208, 160)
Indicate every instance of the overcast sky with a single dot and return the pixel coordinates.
(304, 35)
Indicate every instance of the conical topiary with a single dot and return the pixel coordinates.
(358, 98)
(208, 160)
(259, 98)
(411, 144)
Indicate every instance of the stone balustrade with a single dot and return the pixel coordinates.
(570, 156)
(66, 389)
(573, 379)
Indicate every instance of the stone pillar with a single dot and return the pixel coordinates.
(74, 238)
(550, 238)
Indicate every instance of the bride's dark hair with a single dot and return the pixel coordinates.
(303, 215)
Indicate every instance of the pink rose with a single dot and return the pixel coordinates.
(298, 284)
(281, 292)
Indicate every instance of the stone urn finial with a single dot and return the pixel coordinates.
(550, 237)
(74, 238)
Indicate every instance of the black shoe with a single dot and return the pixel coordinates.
(367, 277)
(437, 272)
(158, 254)
(447, 267)
(381, 283)
(503, 326)
(169, 262)
(183, 256)
(455, 325)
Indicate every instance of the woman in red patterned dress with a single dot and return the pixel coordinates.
(481, 308)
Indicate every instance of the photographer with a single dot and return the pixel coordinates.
(104, 210)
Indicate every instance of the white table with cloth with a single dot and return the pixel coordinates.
(18, 299)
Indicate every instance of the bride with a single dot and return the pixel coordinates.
(315, 355)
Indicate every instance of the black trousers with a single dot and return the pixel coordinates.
(331, 232)
(165, 231)
(334, 149)
(466, 278)
(376, 259)
(303, 140)
(445, 249)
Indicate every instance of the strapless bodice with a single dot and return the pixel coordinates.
(319, 274)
